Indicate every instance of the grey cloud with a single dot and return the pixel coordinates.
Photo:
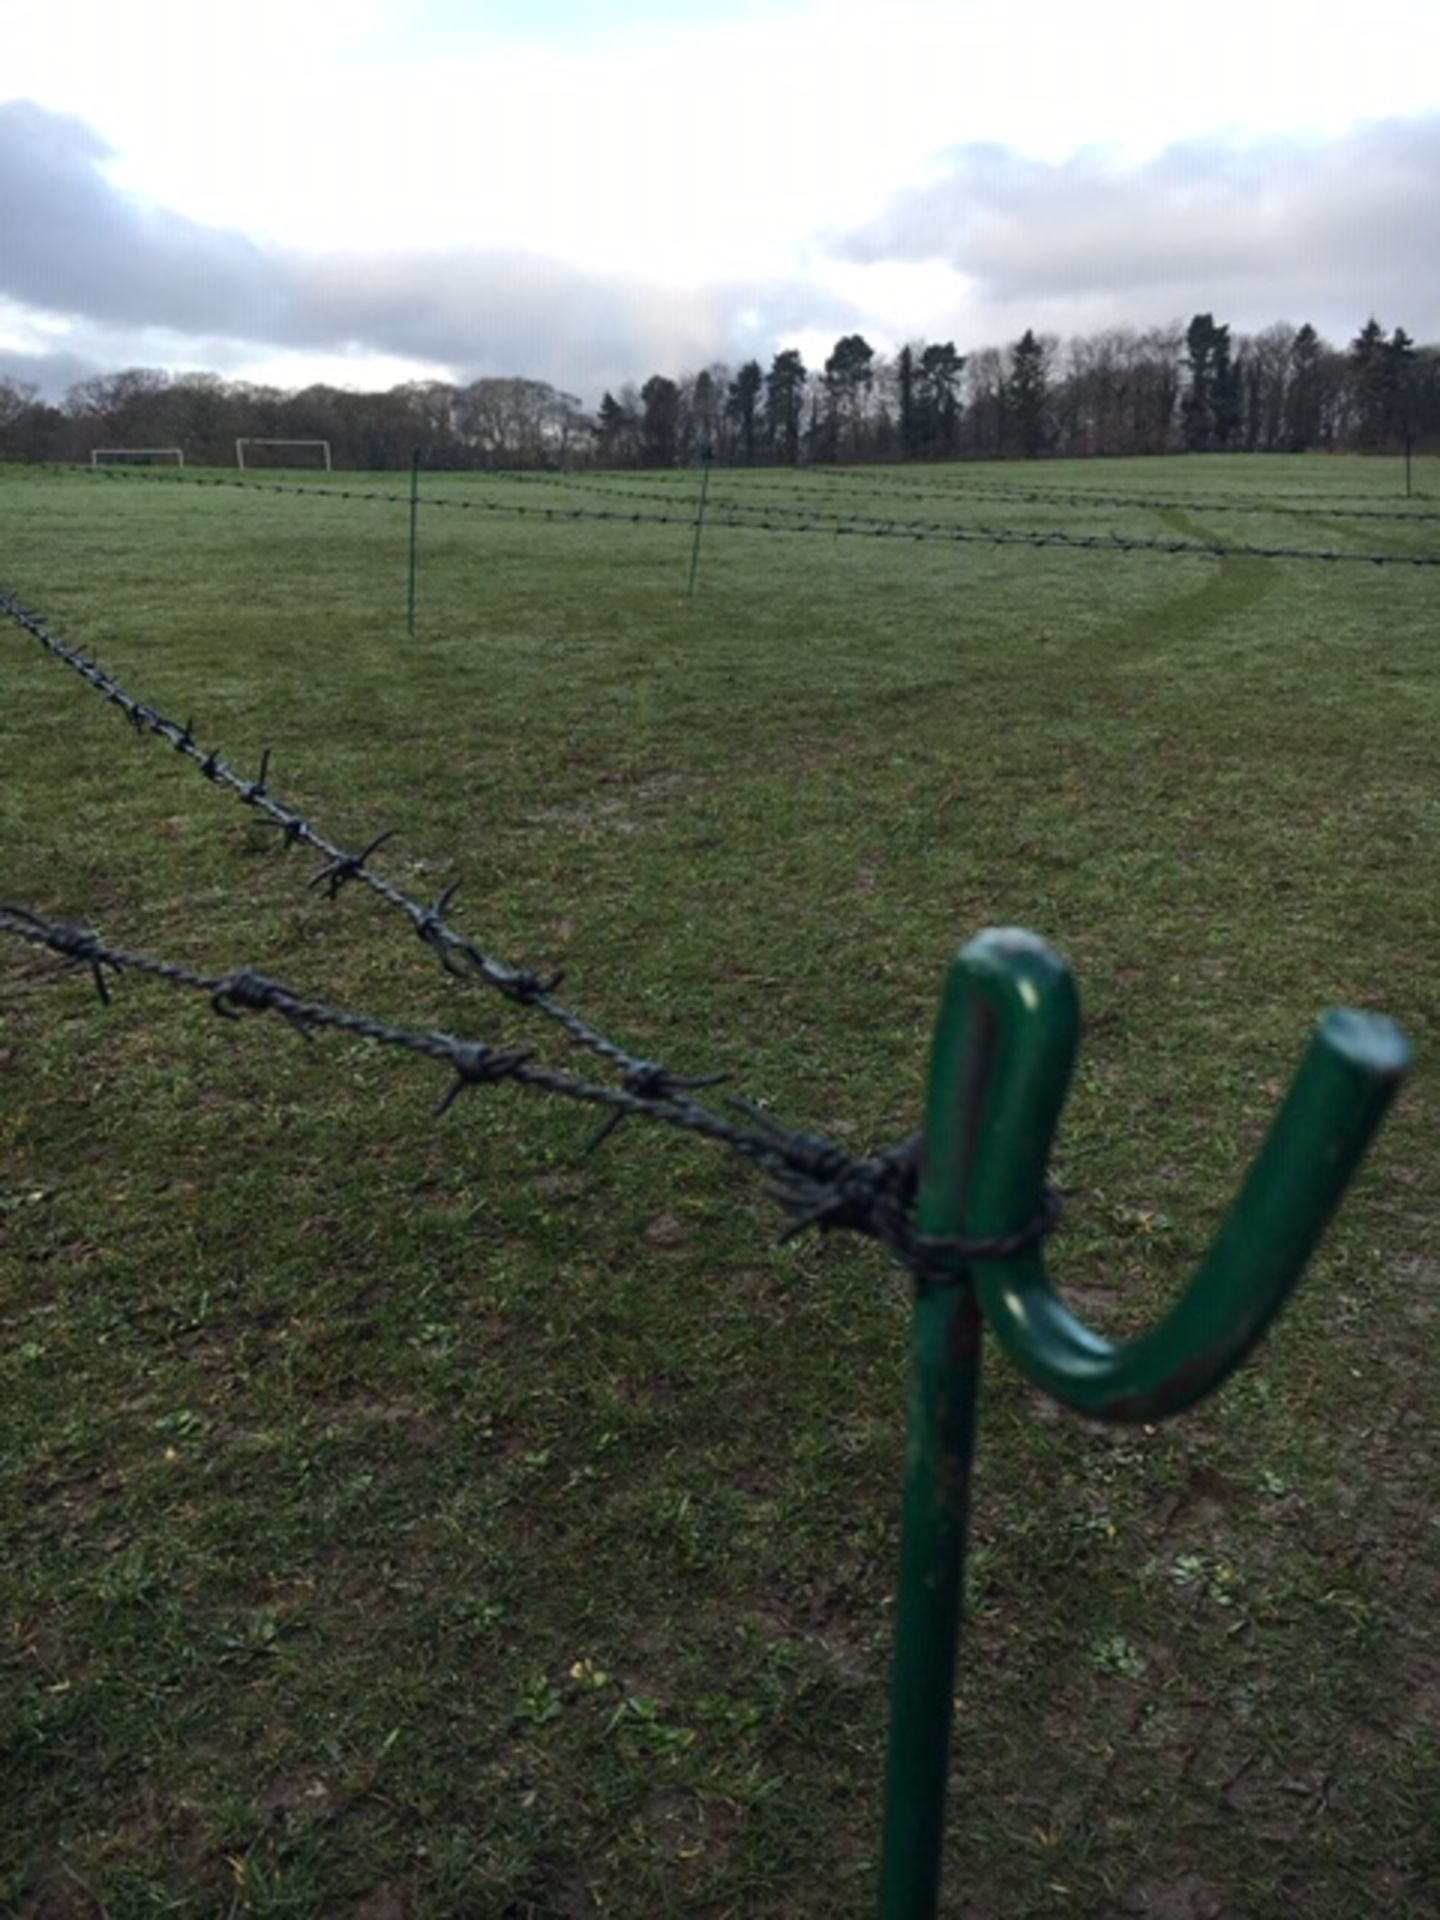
(1308, 229)
(72, 244)
(489, 312)
(49, 373)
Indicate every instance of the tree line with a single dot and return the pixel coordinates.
(1197, 388)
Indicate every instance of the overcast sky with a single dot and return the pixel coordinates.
(369, 191)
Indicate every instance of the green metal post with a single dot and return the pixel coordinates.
(944, 1380)
(706, 457)
(1003, 1052)
(945, 1374)
(414, 517)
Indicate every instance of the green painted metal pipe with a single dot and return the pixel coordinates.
(1017, 1000)
(1003, 1052)
(414, 519)
(945, 1376)
(706, 458)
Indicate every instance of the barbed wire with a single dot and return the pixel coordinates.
(731, 502)
(510, 509)
(942, 531)
(612, 486)
(458, 955)
(1336, 506)
(1113, 542)
(963, 490)
(617, 486)
(817, 1183)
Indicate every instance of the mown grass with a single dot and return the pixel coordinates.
(416, 1518)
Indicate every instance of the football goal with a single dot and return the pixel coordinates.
(137, 456)
(251, 452)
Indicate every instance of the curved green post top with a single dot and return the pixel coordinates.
(1003, 1051)
(1005, 1044)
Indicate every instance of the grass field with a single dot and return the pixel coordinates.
(420, 1518)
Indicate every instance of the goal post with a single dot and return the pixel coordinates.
(137, 456)
(243, 455)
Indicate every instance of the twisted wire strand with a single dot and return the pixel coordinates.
(816, 1182)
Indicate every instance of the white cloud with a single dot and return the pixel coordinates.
(1327, 230)
(701, 150)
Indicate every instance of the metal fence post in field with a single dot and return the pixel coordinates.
(1003, 1050)
(414, 517)
(707, 459)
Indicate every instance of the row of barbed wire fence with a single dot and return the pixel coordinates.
(727, 511)
(951, 485)
(817, 1183)
(619, 486)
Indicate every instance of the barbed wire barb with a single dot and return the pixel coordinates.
(349, 866)
(77, 944)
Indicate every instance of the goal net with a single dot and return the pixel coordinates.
(137, 457)
(250, 452)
